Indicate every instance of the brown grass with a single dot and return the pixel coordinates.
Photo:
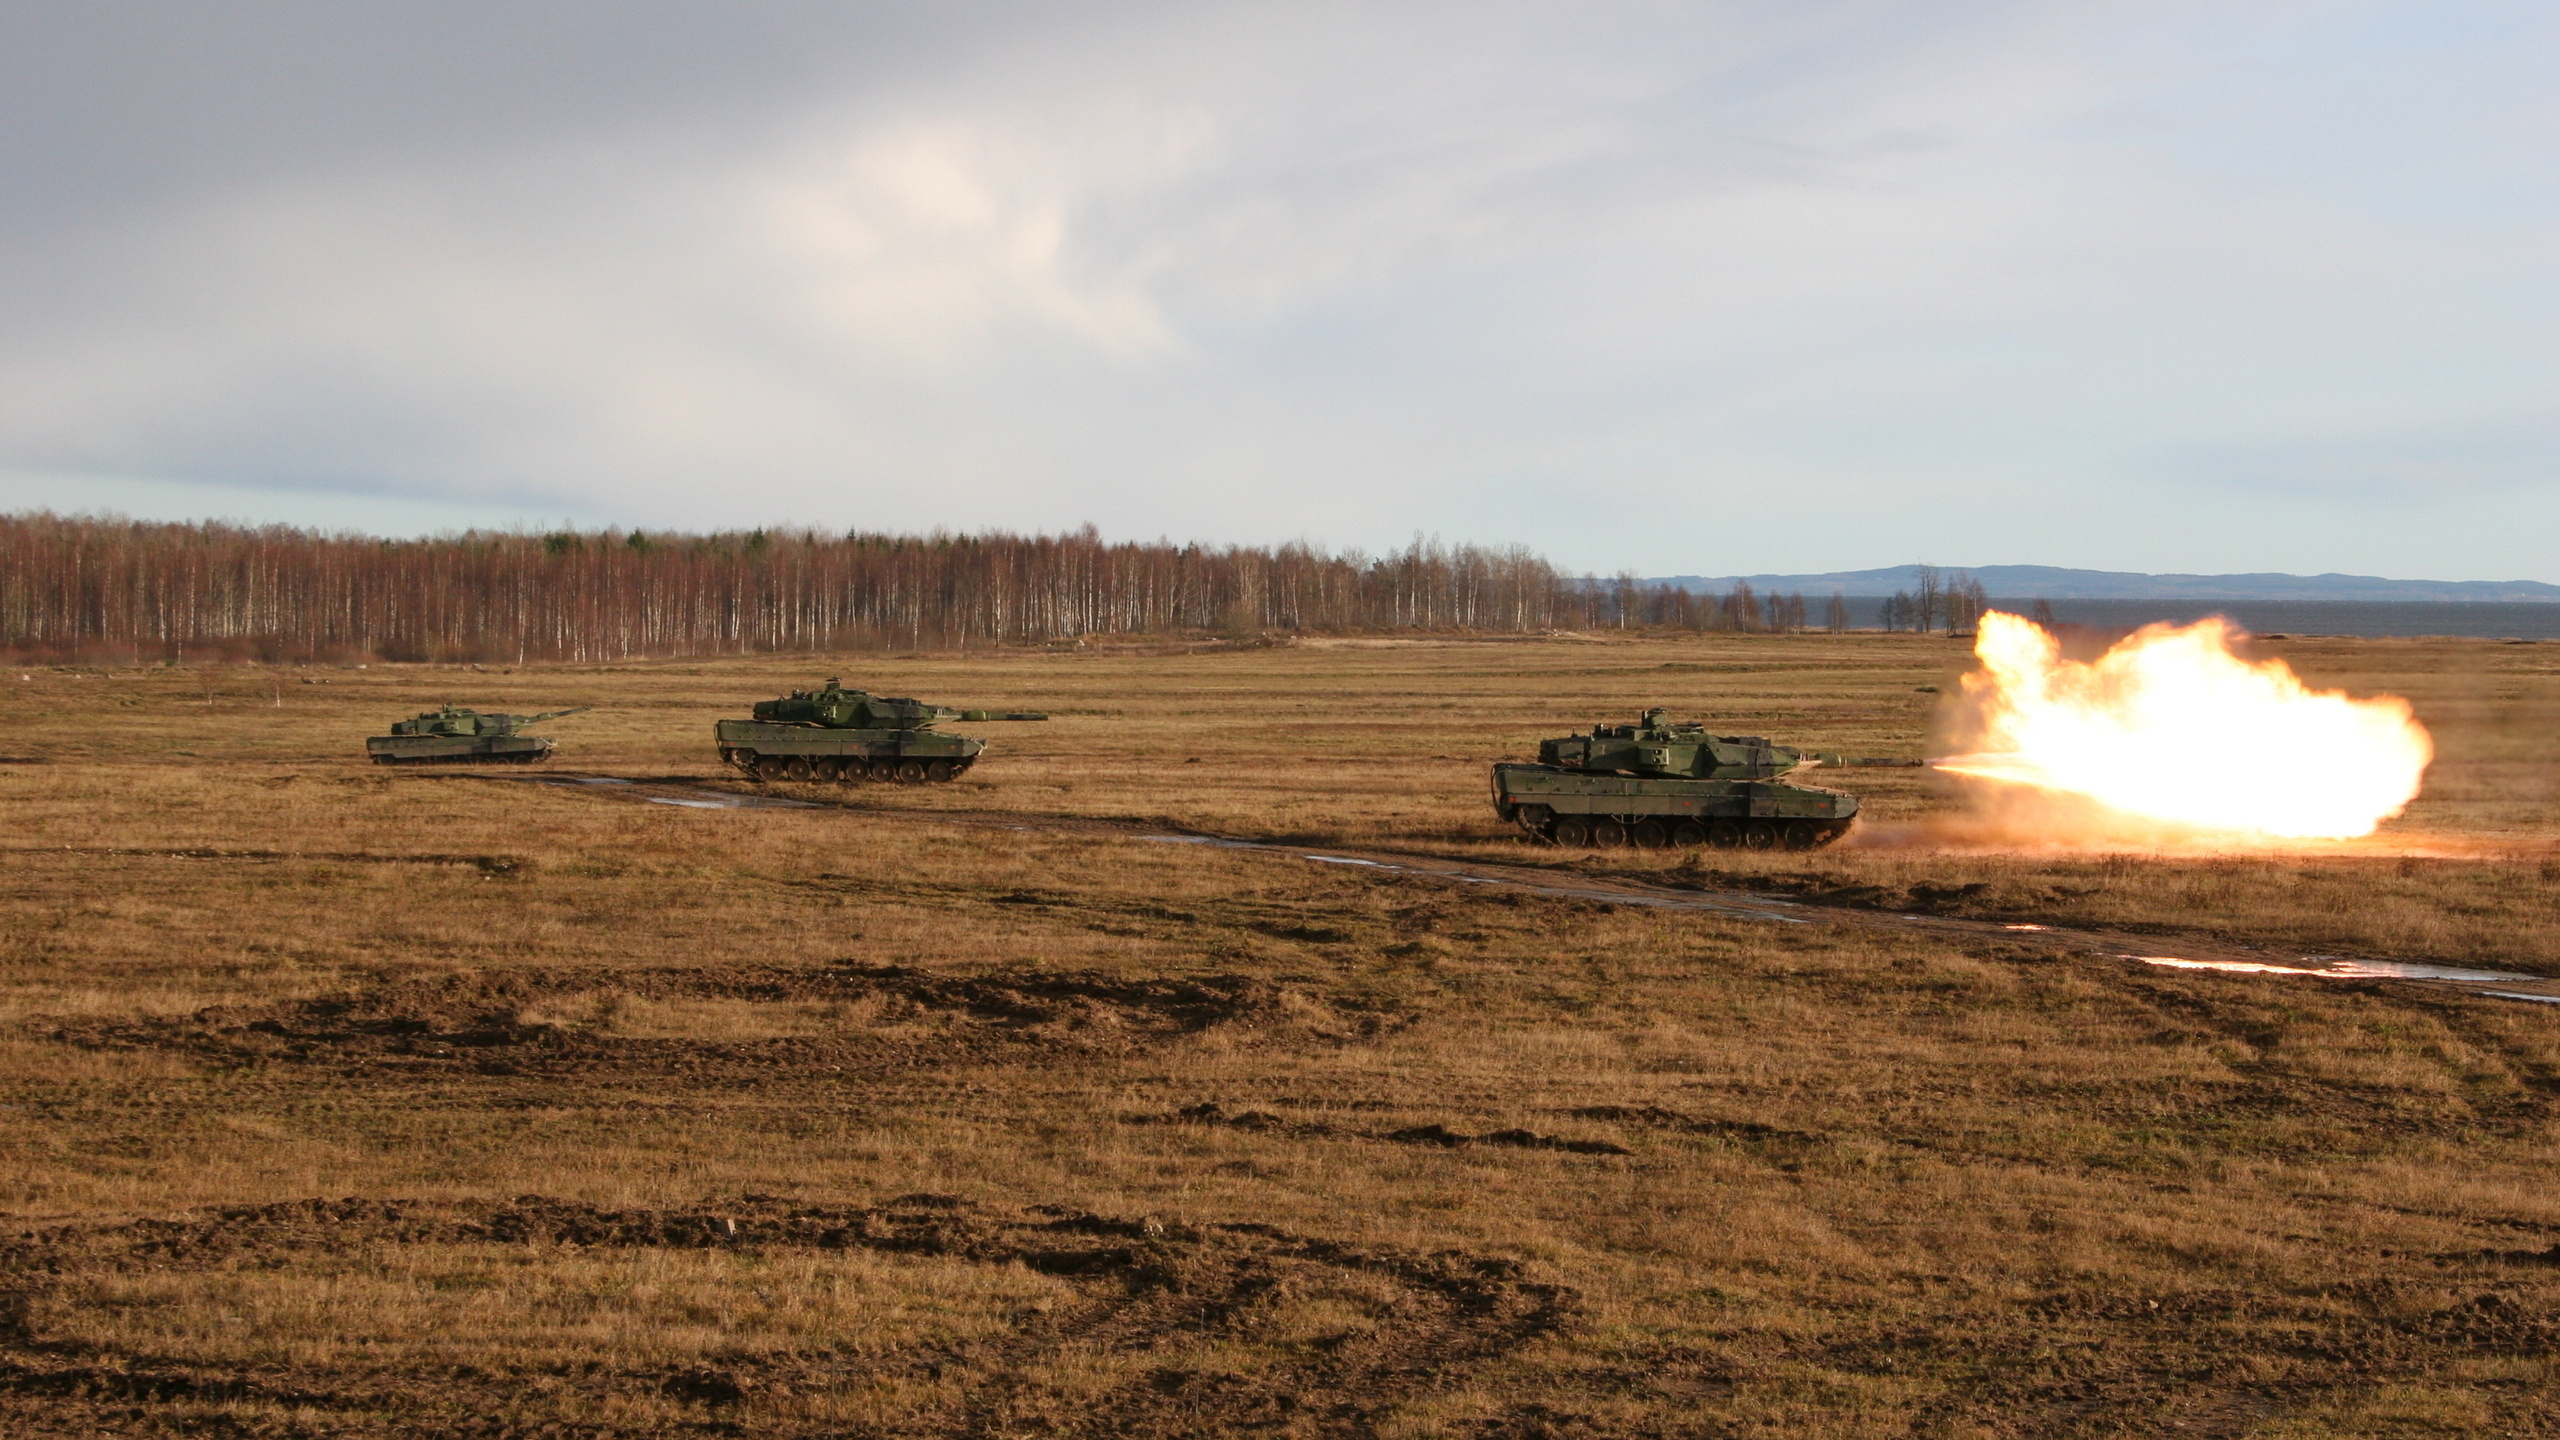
(1873, 1184)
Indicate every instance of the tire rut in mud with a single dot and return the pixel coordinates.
(486, 864)
(842, 1017)
(1150, 1299)
(1433, 1136)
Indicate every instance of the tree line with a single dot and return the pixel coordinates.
(91, 587)
(1955, 600)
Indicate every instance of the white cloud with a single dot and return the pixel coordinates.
(1641, 286)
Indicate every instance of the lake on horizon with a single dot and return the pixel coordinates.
(2485, 620)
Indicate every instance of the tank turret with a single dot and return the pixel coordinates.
(449, 735)
(1655, 745)
(832, 733)
(836, 708)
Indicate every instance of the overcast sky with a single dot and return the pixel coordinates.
(1684, 288)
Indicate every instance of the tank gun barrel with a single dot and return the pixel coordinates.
(1001, 715)
(1865, 762)
(554, 715)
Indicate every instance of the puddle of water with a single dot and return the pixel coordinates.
(714, 800)
(2331, 968)
(2232, 967)
(2038, 929)
(598, 780)
(1348, 860)
(2405, 970)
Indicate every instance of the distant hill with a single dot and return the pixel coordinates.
(2048, 582)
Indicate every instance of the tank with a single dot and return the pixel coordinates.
(847, 736)
(1657, 784)
(449, 736)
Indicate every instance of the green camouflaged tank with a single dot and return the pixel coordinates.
(835, 734)
(449, 736)
(1656, 783)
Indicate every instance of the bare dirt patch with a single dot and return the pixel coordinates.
(1437, 1136)
(486, 864)
(737, 1025)
(1656, 1117)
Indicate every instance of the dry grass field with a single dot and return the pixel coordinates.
(348, 1101)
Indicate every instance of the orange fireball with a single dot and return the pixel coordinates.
(2172, 727)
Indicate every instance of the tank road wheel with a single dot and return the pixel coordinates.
(1533, 821)
(1760, 835)
(1800, 835)
(824, 769)
(939, 773)
(881, 772)
(1608, 834)
(1688, 835)
(772, 767)
(1651, 835)
(1573, 831)
(797, 767)
(910, 772)
(1724, 835)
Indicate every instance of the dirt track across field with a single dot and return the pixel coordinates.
(2184, 951)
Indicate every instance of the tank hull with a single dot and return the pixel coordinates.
(456, 749)
(770, 750)
(1571, 807)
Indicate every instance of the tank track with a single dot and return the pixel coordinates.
(1607, 832)
(850, 769)
(528, 758)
